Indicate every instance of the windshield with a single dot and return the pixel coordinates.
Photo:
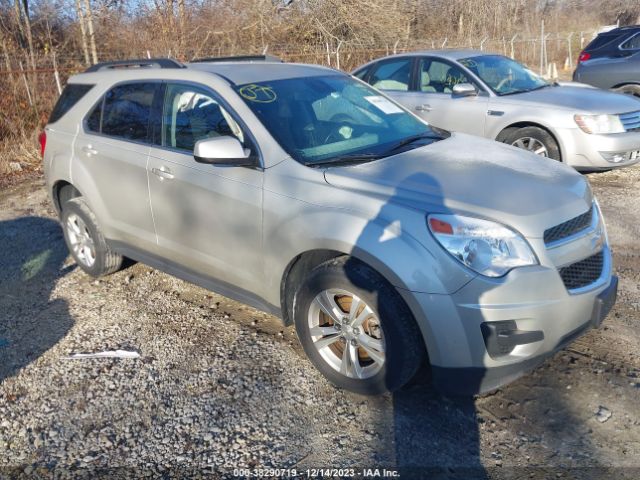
(503, 75)
(333, 117)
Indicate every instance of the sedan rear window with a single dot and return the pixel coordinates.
(71, 95)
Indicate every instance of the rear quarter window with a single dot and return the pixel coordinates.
(632, 43)
(71, 95)
(602, 40)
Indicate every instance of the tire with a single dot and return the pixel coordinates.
(504, 135)
(533, 139)
(629, 90)
(384, 321)
(85, 240)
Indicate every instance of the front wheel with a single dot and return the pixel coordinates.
(356, 329)
(535, 140)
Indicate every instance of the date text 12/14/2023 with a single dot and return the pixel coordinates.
(315, 473)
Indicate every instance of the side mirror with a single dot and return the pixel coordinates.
(224, 150)
(464, 90)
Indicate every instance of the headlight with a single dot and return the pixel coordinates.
(599, 123)
(486, 247)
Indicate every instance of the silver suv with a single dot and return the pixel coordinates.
(306, 193)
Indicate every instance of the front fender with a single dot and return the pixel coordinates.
(385, 245)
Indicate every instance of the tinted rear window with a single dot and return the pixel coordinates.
(602, 40)
(93, 120)
(71, 94)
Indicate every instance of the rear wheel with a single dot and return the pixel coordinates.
(629, 90)
(356, 329)
(85, 240)
(535, 140)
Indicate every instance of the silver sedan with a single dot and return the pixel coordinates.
(496, 97)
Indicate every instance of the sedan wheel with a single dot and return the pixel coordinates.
(533, 139)
(533, 145)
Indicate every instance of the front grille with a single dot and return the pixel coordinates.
(568, 228)
(582, 273)
(630, 121)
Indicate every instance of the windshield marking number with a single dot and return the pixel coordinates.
(258, 93)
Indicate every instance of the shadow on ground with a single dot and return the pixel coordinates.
(435, 436)
(31, 261)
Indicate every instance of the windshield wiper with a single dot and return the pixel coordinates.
(346, 159)
(409, 140)
(526, 90)
(367, 157)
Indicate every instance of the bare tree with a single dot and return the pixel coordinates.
(23, 21)
(92, 38)
(83, 32)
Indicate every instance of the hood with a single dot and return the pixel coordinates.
(578, 99)
(473, 176)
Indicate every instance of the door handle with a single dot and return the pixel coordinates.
(424, 108)
(162, 172)
(89, 150)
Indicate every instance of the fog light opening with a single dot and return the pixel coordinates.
(619, 157)
(502, 337)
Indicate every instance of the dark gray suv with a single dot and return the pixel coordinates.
(612, 60)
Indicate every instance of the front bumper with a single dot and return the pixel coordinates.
(474, 380)
(532, 299)
(585, 151)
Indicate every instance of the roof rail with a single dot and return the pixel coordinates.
(141, 63)
(239, 58)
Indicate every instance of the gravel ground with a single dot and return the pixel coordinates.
(220, 386)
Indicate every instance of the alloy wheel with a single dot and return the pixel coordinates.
(533, 145)
(80, 239)
(347, 333)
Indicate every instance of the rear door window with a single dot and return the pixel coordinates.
(392, 75)
(71, 95)
(361, 74)
(439, 77)
(95, 117)
(126, 111)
